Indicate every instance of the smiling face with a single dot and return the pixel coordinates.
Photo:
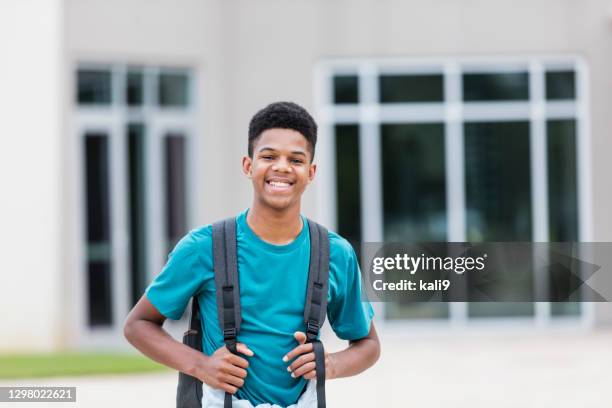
(280, 168)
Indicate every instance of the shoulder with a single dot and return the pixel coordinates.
(342, 258)
(343, 267)
(339, 247)
(201, 235)
(196, 242)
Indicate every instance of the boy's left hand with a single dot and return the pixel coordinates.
(304, 363)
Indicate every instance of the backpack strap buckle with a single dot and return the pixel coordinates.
(229, 334)
(312, 328)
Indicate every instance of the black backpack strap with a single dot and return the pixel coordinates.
(318, 280)
(189, 389)
(194, 320)
(227, 284)
(319, 353)
(316, 300)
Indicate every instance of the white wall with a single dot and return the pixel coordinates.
(30, 111)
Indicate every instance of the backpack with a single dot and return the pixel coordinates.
(189, 391)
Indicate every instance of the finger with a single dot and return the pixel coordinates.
(300, 337)
(235, 371)
(238, 361)
(301, 349)
(304, 369)
(229, 388)
(243, 349)
(311, 375)
(222, 349)
(300, 361)
(232, 380)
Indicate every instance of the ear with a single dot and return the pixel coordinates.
(311, 172)
(247, 166)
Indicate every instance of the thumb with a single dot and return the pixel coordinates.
(243, 349)
(300, 337)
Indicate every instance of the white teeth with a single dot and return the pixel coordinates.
(278, 184)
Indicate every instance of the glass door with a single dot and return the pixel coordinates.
(133, 126)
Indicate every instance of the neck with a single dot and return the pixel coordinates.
(275, 227)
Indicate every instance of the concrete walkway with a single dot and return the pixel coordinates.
(471, 370)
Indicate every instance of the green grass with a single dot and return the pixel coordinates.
(73, 364)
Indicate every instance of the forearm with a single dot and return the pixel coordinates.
(357, 357)
(154, 342)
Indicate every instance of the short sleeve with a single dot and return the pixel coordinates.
(179, 280)
(349, 316)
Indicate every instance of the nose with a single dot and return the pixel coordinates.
(282, 165)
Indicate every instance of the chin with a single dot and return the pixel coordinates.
(278, 203)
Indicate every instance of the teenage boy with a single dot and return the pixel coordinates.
(273, 251)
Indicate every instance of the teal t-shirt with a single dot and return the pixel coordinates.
(273, 280)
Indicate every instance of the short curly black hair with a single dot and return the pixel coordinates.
(284, 115)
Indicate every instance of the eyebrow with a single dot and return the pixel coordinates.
(300, 152)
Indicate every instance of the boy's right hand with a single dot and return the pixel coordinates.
(225, 370)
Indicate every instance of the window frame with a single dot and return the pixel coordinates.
(453, 112)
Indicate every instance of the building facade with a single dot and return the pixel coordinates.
(439, 121)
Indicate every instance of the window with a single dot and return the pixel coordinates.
(134, 91)
(484, 86)
(136, 125)
(345, 89)
(176, 187)
(457, 150)
(348, 184)
(94, 87)
(137, 210)
(560, 85)
(98, 221)
(411, 88)
(173, 89)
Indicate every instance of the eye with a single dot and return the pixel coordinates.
(297, 161)
(267, 157)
